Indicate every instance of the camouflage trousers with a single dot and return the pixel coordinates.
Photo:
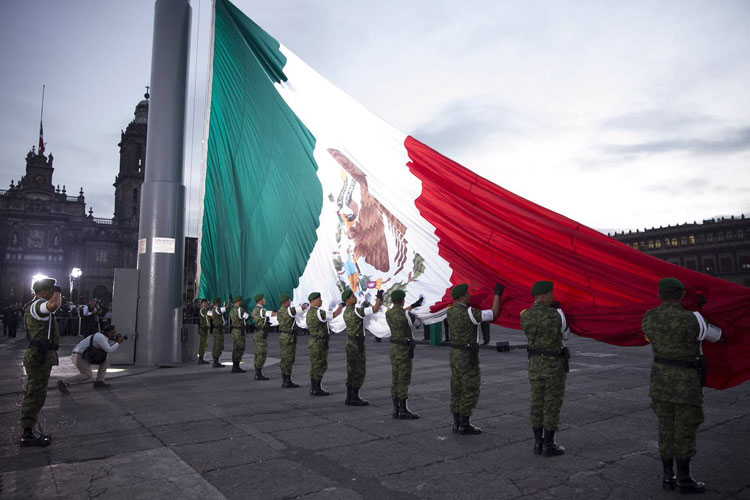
(238, 344)
(401, 365)
(260, 348)
(288, 348)
(678, 426)
(203, 345)
(36, 386)
(218, 346)
(547, 395)
(318, 357)
(465, 382)
(356, 364)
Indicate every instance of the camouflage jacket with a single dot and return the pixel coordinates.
(217, 317)
(399, 324)
(286, 318)
(205, 319)
(543, 327)
(237, 317)
(40, 327)
(463, 330)
(317, 326)
(354, 317)
(673, 332)
(259, 318)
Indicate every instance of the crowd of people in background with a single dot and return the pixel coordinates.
(73, 319)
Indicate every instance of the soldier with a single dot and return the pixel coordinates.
(204, 329)
(44, 340)
(262, 318)
(317, 322)
(546, 328)
(464, 323)
(237, 317)
(356, 359)
(401, 323)
(677, 376)
(287, 339)
(217, 329)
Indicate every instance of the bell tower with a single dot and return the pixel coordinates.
(132, 164)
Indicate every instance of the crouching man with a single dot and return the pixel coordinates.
(93, 350)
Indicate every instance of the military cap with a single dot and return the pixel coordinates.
(670, 285)
(313, 296)
(459, 290)
(284, 297)
(217, 301)
(347, 293)
(204, 299)
(398, 295)
(43, 283)
(238, 298)
(258, 297)
(542, 287)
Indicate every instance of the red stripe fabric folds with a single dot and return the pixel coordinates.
(489, 235)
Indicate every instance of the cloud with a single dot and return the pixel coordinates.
(656, 119)
(731, 141)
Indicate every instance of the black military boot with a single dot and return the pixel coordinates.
(259, 374)
(202, 361)
(356, 400)
(456, 422)
(403, 411)
(217, 364)
(312, 387)
(669, 479)
(465, 426)
(236, 368)
(349, 390)
(685, 482)
(30, 438)
(538, 437)
(290, 384)
(395, 407)
(549, 447)
(319, 391)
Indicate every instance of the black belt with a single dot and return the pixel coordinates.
(461, 347)
(553, 353)
(676, 362)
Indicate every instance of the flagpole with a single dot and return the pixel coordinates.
(161, 231)
(41, 129)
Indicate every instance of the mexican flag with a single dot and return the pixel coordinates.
(306, 190)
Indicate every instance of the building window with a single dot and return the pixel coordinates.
(745, 262)
(650, 244)
(710, 238)
(642, 245)
(701, 239)
(692, 239)
(727, 265)
(683, 240)
(740, 235)
(101, 256)
(657, 243)
(666, 243)
(675, 242)
(708, 265)
(729, 236)
(690, 264)
(720, 237)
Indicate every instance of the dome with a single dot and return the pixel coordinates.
(141, 112)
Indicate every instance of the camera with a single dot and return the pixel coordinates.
(56, 289)
(119, 336)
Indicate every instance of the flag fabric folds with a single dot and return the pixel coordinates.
(306, 190)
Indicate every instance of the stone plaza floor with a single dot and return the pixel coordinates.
(204, 433)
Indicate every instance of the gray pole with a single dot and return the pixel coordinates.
(162, 216)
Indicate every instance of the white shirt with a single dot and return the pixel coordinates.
(100, 340)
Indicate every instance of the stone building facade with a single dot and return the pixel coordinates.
(44, 230)
(720, 247)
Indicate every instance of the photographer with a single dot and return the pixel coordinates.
(93, 350)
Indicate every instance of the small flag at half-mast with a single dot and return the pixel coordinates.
(41, 128)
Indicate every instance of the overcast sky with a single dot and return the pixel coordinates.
(617, 114)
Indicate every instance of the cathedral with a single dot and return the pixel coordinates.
(46, 229)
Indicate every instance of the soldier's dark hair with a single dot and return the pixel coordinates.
(108, 329)
(671, 294)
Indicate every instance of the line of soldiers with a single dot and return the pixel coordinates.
(676, 335)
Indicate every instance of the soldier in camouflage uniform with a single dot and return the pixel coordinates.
(262, 319)
(356, 359)
(204, 330)
(287, 339)
(464, 323)
(317, 322)
(546, 327)
(217, 329)
(237, 318)
(44, 340)
(676, 388)
(401, 323)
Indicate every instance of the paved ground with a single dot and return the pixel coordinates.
(198, 432)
